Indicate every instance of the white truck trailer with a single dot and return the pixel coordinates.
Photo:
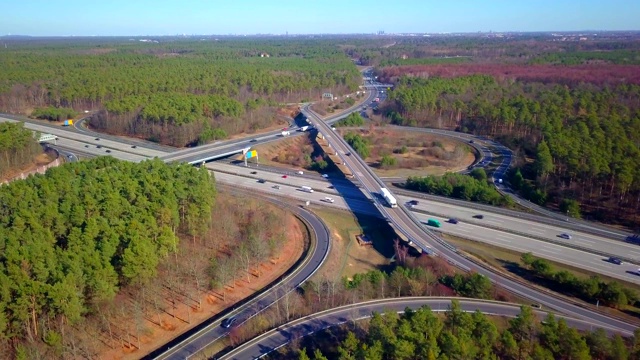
(388, 197)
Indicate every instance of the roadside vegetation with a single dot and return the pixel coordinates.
(474, 187)
(398, 153)
(18, 147)
(173, 90)
(98, 256)
(563, 135)
(424, 334)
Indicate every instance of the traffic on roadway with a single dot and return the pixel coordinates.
(285, 334)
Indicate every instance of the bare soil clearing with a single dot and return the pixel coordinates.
(415, 153)
(212, 302)
(38, 161)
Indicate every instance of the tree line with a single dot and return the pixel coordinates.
(474, 187)
(148, 89)
(591, 133)
(18, 146)
(591, 290)
(73, 237)
(423, 334)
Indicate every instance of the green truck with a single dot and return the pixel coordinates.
(433, 222)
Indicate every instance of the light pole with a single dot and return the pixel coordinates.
(567, 214)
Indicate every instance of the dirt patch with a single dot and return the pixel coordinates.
(346, 257)
(293, 151)
(413, 153)
(39, 161)
(166, 327)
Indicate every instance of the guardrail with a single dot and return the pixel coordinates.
(513, 213)
(533, 236)
(369, 303)
(238, 306)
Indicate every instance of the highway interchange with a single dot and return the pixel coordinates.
(83, 142)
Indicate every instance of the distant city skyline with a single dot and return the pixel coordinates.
(249, 17)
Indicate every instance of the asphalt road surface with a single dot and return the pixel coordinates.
(209, 334)
(284, 334)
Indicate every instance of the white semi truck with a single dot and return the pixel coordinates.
(388, 197)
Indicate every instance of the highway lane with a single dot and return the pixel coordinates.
(409, 226)
(508, 223)
(356, 201)
(587, 241)
(558, 253)
(82, 147)
(190, 346)
(80, 140)
(283, 335)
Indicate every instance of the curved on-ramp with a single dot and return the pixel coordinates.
(198, 338)
(283, 335)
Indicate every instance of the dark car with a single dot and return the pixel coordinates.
(99, 146)
(453, 221)
(226, 323)
(615, 260)
(471, 141)
(253, 140)
(134, 146)
(414, 202)
(97, 138)
(348, 154)
(86, 146)
(262, 181)
(478, 216)
(254, 172)
(108, 150)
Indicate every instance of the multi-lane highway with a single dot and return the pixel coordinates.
(496, 229)
(401, 218)
(408, 225)
(283, 335)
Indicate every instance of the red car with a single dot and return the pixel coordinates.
(284, 176)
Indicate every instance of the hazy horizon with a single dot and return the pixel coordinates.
(41, 18)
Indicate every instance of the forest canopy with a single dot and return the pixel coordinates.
(72, 237)
(18, 146)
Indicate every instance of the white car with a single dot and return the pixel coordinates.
(325, 176)
(300, 173)
(328, 199)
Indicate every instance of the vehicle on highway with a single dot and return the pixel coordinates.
(565, 236)
(277, 187)
(348, 154)
(479, 216)
(262, 181)
(300, 172)
(413, 202)
(284, 176)
(453, 221)
(86, 146)
(134, 146)
(254, 172)
(306, 189)
(99, 146)
(253, 140)
(97, 139)
(226, 323)
(108, 150)
(325, 176)
(386, 195)
(434, 223)
(614, 260)
(329, 200)
(330, 187)
(537, 306)
(471, 141)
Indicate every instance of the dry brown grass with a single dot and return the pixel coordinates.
(416, 153)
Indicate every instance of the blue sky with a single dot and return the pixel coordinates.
(164, 17)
